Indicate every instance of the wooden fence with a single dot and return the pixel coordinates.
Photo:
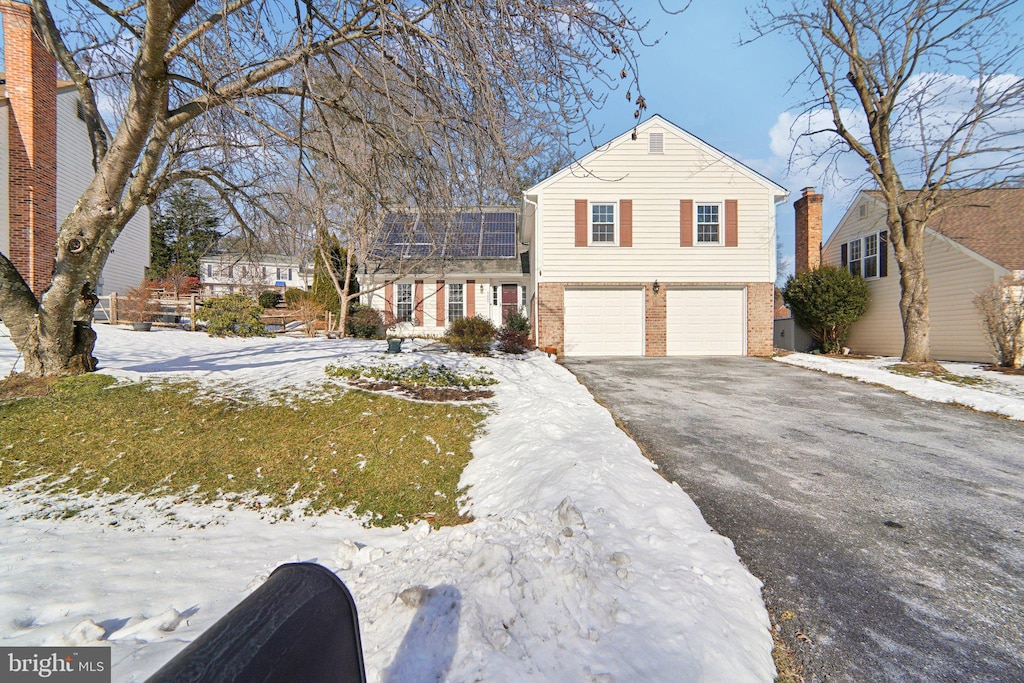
(172, 308)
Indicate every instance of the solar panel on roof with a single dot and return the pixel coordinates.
(460, 235)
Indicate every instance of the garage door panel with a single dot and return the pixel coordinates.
(604, 322)
(705, 322)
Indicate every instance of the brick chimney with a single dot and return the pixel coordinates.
(808, 230)
(32, 146)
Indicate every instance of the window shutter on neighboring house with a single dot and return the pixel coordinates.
(625, 222)
(581, 222)
(686, 222)
(732, 223)
(883, 253)
(843, 260)
(389, 303)
(439, 313)
(418, 299)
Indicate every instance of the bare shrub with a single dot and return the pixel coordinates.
(1002, 314)
(309, 311)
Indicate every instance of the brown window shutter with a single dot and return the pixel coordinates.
(418, 299)
(389, 303)
(686, 222)
(625, 222)
(883, 253)
(439, 296)
(581, 222)
(843, 259)
(470, 298)
(732, 223)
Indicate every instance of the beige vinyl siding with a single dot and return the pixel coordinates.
(655, 183)
(483, 306)
(125, 268)
(955, 276)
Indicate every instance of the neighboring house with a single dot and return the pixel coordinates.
(46, 164)
(969, 246)
(654, 244)
(221, 274)
(467, 263)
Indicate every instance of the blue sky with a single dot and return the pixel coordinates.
(699, 77)
(737, 98)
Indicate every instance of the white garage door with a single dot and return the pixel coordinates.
(604, 322)
(706, 322)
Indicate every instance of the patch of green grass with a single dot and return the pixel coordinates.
(392, 459)
(934, 371)
(422, 375)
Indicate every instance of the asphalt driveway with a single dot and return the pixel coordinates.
(889, 531)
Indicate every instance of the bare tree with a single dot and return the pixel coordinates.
(1002, 316)
(925, 92)
(198, 89)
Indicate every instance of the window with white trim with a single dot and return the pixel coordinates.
(855, 257)
(709, 224)
(862, 256)
(602, 223)
(870, 252)
(403, 301)
(456, 301)
(494, 295)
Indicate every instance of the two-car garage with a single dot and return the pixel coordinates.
(612, 321)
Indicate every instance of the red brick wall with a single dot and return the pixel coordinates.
(760, 318)
(655, 331)
(32, 136)
(760, 314)
(808, 230)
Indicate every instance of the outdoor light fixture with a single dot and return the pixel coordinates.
(656, 287)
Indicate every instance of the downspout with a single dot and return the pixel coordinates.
(533, 267)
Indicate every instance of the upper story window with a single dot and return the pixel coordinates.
(709, 224)
(278, 273)
(655, 143)
(456, 301)
(602, 223)
(209, 270)
(862, 256)
(403, 301)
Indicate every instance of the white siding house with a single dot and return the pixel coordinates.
(221, 274)
(129, 257)
(968, 247)
(469, 265)
(654, 244)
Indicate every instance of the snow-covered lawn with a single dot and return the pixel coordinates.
(582, 564)
(995, 393)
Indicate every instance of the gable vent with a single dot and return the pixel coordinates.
(655, 143)
(862, 211)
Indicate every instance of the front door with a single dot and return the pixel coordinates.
(509, 300)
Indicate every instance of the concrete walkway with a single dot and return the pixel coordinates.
(889, 531)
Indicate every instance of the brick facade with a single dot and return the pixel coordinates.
(808, 230)
(31, 74)
(760, 314)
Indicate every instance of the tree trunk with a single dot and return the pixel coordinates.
(56, 348)
(914, 310)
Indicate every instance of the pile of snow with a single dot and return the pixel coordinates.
(998, 393)
(582, 562)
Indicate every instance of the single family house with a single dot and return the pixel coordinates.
(974, 241)
(654, 244)
(228, 273)
(429, 269)
(46, 164)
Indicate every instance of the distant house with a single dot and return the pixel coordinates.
(46, 164)
(655, 244)
(431, 269)
(970, 245)
(221, 274)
